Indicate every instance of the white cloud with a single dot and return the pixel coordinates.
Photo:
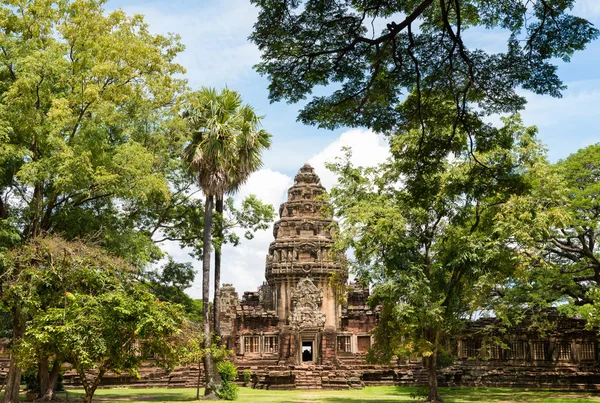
(589, 9)
(214, 34)
(269, 186)
(368, 149)
(244, 265)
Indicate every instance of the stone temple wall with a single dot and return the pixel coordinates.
(305, 327)
(4, 358)
(297, 306)
(568, 360)
(567, 357)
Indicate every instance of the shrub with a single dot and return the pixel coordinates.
(30, 379)
(247, 377)
(229, 374)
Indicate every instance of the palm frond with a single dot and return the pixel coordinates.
(226, 140)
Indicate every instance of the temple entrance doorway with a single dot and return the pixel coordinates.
(308, 347)
(307, 351)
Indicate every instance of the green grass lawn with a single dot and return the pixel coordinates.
(380, 394)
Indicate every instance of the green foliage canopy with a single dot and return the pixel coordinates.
(88, 309)
(555, 229)
(88, 124)
(424, 234)
(252, 215)
(370, 55)
(226, 142)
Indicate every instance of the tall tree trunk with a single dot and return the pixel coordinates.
(43, 375)
(90, 388)
(199, 380)
(3, 209)
(89, 392)
(209, 365)
(13, 380)
(217, 301)
(47, 218)
(433, 395)
(37, 206)
(47, 394)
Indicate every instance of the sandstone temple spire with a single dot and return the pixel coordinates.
(300, 256)
(297, 317)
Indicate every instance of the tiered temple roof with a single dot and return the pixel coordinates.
(303, 234)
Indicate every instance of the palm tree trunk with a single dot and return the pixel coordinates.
(217, 301)
(209, 365)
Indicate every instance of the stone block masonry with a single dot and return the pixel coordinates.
(306, 328)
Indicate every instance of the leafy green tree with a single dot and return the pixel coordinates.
(169, 284)
(224, 149)
(101, 321)
(375, 52)
(192, 350)
(574, 247)
(555, 228)
(423, 233)
(253, 215)
(85, 104)
(89, 130)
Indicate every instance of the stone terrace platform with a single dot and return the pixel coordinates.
(308, 377)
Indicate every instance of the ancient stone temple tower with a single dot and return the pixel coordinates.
(295, 331)
(306, 328)
(299, 315)
(300, 268)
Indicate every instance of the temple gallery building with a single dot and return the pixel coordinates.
(303, 321)
(307, 328)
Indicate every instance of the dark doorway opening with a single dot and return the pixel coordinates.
(307, 351)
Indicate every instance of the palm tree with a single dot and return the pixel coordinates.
(224, 149)
(252, 142)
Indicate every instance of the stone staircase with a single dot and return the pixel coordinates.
(308, 378)
(276, 377)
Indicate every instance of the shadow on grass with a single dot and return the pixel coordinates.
(144, 397)
(361, 400)
(519, 395)
(366, 395)
(117, 396)
(475, 394)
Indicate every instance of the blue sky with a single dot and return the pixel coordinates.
(218, 54)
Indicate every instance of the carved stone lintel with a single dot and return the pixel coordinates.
(306, 305)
